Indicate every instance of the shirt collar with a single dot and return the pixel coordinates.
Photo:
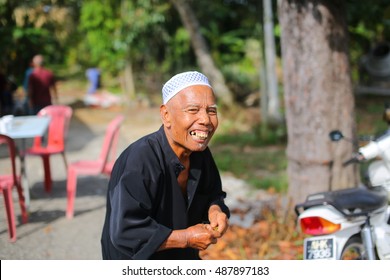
(171, 157)
(174, 162)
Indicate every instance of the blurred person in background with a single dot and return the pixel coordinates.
(25, 103)
(42, 90)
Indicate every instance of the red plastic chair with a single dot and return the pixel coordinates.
(57, 132)
(7, 183)
(101, 166)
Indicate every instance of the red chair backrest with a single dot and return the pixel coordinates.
(60, 116)
(108, 152)
(6, 140)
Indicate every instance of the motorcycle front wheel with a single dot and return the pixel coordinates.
(353, 249)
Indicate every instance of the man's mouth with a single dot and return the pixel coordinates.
(199, 135)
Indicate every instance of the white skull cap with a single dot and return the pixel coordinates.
(181, 81)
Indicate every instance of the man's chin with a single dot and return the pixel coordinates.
(200, 147)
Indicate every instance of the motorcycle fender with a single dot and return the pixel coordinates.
(349, 227)
(327, 212)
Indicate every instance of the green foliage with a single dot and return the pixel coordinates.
(177, 53)
(120, 31)
(150, 34)
(99, 22)
(368, 24)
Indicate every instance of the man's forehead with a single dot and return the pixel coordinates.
(196, 94)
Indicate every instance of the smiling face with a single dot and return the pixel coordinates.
(190, 119)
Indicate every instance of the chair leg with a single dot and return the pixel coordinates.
(71, 187)
(22, 203)
(9, 207)
(46, 166)
(65, 160)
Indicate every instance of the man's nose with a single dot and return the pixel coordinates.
(204, 117)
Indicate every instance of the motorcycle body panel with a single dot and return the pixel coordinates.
(378, 170)
(381, 233)
(379, 175)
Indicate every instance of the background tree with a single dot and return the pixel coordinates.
(271, 110)
(318, 95)
(202, 52)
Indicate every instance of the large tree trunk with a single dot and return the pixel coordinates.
(318, 95)
(206, 62)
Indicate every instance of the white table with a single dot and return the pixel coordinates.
(25, 127)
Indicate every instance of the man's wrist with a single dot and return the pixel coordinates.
(177, 239)
(214, 208)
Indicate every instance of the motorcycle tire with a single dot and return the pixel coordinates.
(353, 249)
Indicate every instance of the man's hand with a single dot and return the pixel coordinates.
(200, 236)
(218, 221)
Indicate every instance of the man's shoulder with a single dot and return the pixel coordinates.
(41, 72)
(143, 145)
(48, 72)
(143, 154)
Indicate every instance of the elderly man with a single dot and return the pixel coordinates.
(165, 199)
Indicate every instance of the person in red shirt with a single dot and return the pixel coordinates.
(42, 89)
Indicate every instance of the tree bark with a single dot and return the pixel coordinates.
(205, 60)
(318, 96)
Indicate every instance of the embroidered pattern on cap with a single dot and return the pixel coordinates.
(181, 81)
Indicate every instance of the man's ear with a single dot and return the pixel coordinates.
(165, 116)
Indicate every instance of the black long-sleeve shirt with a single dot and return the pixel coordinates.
(145, 202)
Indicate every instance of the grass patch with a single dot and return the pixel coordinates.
(255, 137)
(261, 167)
(256, 155)
(277, 182)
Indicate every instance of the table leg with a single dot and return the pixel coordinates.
(25, 184)
(23, 175)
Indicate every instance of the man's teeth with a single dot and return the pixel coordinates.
(199, 134)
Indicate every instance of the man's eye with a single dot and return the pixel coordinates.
(192, 110)
(212, 111)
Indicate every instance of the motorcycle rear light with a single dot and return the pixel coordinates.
(318, 226)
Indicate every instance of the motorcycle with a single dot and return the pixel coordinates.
(351, 223)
